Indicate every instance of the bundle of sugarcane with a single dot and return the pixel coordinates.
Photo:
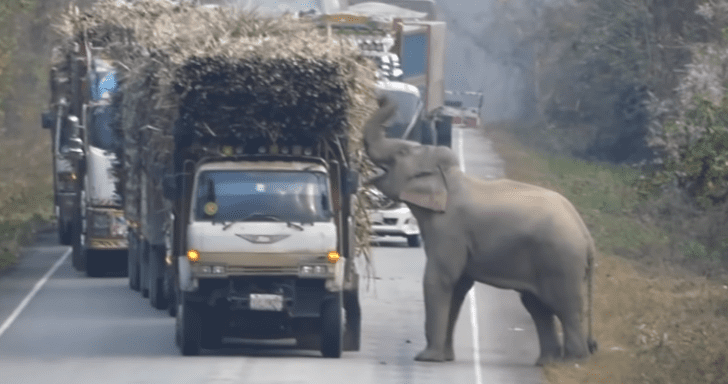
(220, 72)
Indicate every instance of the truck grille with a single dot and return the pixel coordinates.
(263, 270)
(390, 221)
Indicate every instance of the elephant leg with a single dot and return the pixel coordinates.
(575, 346)
(461, 289)
(438, 299)
(568, 307)
(543, 317)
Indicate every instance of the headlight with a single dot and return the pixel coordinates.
(212, 269)
(317, 270)
(66, 181)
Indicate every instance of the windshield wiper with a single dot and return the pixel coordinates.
(258, 215)
(272, 217)
(294, 225)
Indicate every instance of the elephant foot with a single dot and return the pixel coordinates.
(449, 354)
(432, 355)
(575, 358)
(546, 359)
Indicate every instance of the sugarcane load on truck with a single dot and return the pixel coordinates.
(408, 44)
(242, 151)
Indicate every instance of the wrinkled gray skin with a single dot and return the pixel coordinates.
(503, 233)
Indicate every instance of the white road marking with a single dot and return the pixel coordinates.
(471, 294)
(9, 321)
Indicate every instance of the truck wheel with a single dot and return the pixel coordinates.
(65, 232)
(78, 256)
(133, 262)
(143, 253)
(189, 327)
(332, 327)
(94, 263)
(171, 293)
(156, 278)
(212, 327)
(352, 332)
(414, 241)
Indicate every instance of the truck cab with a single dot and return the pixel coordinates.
(263, 217)
(268, 245)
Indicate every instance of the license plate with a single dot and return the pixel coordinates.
(266, 302)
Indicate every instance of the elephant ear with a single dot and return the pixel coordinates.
(426, 190)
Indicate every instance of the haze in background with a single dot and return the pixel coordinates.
(490, 47)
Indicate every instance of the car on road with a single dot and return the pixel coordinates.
(391, 218)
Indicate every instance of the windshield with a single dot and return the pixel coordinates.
(283, 6)
(101, 133)
(262, 196)
(407, 107)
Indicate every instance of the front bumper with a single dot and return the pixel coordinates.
(208, 268)
(238, 310)
(395, 222)
(107, 244)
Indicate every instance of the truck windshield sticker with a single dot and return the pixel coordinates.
(293, 196)
(210, 208)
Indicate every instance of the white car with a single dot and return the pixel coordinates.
(390, 218)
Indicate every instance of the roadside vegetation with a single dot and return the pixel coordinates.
(26, 194)
(661, 300)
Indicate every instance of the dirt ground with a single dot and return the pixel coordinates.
(653, 327)
(655, 322)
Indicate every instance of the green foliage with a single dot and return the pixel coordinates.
(8, 39)
(693, 249)
(702, 168)
(606, 197)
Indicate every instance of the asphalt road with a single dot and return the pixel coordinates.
(96, 330)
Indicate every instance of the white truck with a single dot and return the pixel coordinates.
(88, 206)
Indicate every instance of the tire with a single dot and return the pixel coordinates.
(156, 278)
(133, 262)
(332, 327)
(171, 293)
(143, 253)
(414, 241)
(352, 331)
(212, 328)
(189, 327)
(78, 256)
(95, 263)
(65, 233)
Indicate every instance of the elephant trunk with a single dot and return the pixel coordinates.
(379, 148)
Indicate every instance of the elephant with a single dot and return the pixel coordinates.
(500, 232)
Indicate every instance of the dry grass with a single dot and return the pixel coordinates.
(654, 323)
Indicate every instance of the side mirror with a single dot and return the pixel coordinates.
(48, 121)
(443, 127)
(169, 187)
(74, 148)
(351, 182)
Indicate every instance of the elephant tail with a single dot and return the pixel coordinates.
(591, 251)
